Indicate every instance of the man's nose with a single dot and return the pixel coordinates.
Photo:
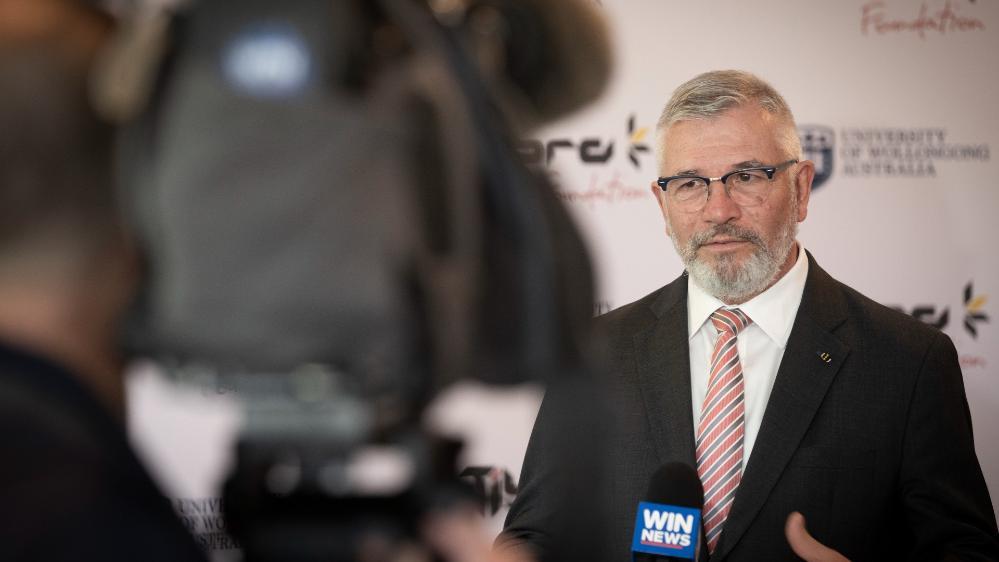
(720, 208)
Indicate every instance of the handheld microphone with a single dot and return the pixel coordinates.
(668, 522)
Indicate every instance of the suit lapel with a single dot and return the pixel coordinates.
(802, 380)
(663, 363)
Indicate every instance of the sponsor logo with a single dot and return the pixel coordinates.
(597, 153)
(588, 150)
(973, 362)
(932, 19)
(636, 142)
(600, 189)
(939, 317)
(666, 530)
(972, 317)
(494, 487)
(973, 310)
(818, 145)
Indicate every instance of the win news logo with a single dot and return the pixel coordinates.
(666, 530)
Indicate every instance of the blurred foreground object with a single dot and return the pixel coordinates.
(71, 487)
(544, 58)
(337, 226)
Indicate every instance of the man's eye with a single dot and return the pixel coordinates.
(748, 177)
(689, 185)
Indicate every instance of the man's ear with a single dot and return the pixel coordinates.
(660, 196)
(803, 185)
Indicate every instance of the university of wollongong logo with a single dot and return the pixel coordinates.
(818, 144)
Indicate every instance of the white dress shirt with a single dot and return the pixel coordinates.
(761, 344)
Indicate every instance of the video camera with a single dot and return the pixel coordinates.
(337, 225)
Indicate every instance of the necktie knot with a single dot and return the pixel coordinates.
(731, 321)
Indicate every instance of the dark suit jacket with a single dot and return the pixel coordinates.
(70, 486)
(873, 446)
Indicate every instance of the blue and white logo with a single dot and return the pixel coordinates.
(817, 144)
(666, 530)
(270, 61)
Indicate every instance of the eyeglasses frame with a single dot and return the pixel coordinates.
(768, 170)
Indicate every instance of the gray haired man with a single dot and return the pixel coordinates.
(795, 397)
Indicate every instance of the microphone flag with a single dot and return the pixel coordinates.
(666, 530)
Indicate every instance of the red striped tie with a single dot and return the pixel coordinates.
(720, 432)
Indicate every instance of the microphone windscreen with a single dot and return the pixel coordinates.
(676, 483)
(557, 54)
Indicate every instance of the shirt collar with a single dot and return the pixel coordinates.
(772, 310)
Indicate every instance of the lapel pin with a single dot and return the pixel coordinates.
(825, 357)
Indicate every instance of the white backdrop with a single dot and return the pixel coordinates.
(897, 98)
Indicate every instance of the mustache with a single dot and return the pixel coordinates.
(705, 236)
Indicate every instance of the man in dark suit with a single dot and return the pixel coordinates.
(787, 390)
(70, 486)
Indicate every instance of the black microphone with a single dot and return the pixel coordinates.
(668, 522)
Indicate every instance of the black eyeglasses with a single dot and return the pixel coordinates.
(747, 187)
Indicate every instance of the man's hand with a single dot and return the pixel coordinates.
(804, 545)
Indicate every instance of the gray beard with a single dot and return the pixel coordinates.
(726, 280)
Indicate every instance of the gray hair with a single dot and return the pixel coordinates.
(712, 93)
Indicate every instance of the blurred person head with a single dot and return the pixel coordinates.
(733, 185)
(65, 265)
